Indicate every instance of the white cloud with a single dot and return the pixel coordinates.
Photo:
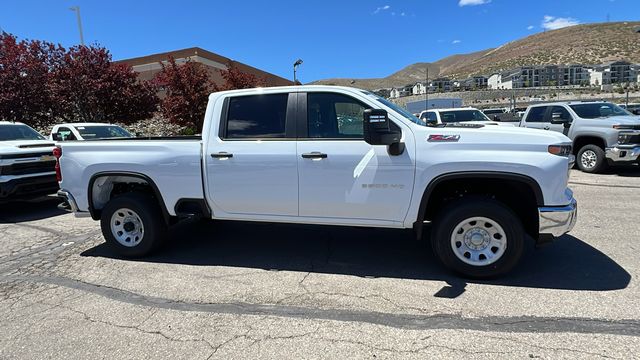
(472, 2)
(530, 27)
(381, 8)
(552, 22)
(456, 41)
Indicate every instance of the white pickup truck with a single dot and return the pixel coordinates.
(333, 156)
(26, 163)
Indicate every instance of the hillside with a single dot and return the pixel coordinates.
(583, 44)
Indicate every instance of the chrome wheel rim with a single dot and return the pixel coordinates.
(126, 227)
(588, 159)
(478, 241)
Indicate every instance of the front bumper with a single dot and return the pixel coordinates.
(25, 188)
(623, 153)
(555, 221)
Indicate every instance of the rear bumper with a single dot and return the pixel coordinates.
(622, 153)
(555, 221)
(69, 204)
(28, 187)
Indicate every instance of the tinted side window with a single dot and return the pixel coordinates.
(561, 113)
(66, 133)
(430, 116)
(257, 116)
(536, 114)
(334, 116)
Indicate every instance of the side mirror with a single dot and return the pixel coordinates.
(377, 131)
(56, 137)
(556, 118)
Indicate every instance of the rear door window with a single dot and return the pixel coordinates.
(536, 114)
(256, 117)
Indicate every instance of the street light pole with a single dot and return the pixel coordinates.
(295, 69)
(76, 9)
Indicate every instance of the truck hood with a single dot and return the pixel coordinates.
(622, 120)
(25, 146)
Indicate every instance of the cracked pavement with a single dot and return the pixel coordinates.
(224, 290)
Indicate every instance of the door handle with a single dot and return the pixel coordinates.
(314, 155)
(546, 128)
(222, 155)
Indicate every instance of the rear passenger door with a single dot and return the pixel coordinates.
(536, 117)
(251, 164)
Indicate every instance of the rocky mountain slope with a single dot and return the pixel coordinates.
(581, 44)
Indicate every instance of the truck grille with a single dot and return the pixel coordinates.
(28, 168)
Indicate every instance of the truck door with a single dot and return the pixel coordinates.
(251, 163)
(558, 113)
(535, 118)
(342, 178)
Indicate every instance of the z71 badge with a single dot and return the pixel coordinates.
(445, 138)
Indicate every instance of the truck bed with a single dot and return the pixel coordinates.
(174, 164)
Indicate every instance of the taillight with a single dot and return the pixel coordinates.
(57, 153)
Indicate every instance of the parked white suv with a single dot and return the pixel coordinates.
(332, 156)
(602, 132)
(26, 163)
(87, 131)
(468, 115)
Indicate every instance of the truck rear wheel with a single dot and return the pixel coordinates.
(478, 238)
(591, 159)
(132, 225)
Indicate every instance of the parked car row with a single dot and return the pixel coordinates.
(27, 162)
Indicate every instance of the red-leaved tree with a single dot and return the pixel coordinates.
(234, 78)
(187, 89)
(42, 83)
(25, 80)
(88, 86)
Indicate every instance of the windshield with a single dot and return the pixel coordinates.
(404, 112)
(598, 110)
(18, 132)
(493, 111)
(102, 132)
(462, 115)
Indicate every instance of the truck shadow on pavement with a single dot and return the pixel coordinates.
(569, 263)
(23, 211)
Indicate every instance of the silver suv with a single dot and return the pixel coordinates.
(602, 133)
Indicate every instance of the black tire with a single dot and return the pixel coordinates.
(600, 161)
(151, 219)
(454, 214)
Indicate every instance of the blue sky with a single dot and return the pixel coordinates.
(347, 38)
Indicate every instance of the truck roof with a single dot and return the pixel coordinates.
(10, 123)
(84, 124)
(569, 103)
(289, 88)
(453, 109)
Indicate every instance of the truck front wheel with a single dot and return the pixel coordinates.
(478, 238)
(132, 225)
(591, 159)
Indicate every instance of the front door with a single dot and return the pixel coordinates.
(251, 163)
(559, 113)
(342, 177)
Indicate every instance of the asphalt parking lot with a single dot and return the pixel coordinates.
(240, 290)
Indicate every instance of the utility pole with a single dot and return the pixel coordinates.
(426, 91)
(76, 9)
